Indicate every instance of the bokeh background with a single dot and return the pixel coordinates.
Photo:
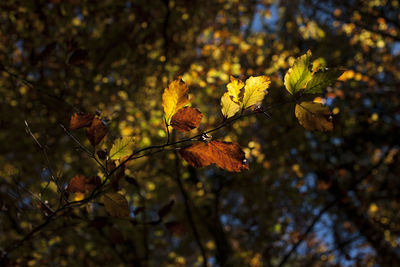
(309, 198)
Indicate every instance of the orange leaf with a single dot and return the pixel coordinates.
(96, 132)
(80, 120)
(226, 155)
(186, 119)
(82, 184)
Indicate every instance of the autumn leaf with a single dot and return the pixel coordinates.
(122, 147)
(299, 74)
(314, 116)
(116, 204)
(174, 98)
(234, 89)
(186, 119)
(322, 79)
(80, 120)
(255, 90)
(226, 155)
(81, 184)
(228, 107)
(96, 132)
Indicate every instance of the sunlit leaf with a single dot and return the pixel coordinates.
(255, 90)
(226, 155)
(116, 204)
(228, 107)
(122, 147)
(299, 74)
(314, 116)
(186, 119)
(322, 79)
(234, 89)
(174, 98)
(80, 120)
(96, 132)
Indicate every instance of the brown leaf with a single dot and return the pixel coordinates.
(314, 116)
(96, 132)
(82, 184)
(226, 155)
(102, 154)
(79, 120)
(116, 204)
(77, 184)
(176, 228)
(165, 209)
(186, 119)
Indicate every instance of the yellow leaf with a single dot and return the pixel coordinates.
(314, 116)
(255, 90)
(121, 148)
(234, 89)
(116, 204)
(229, 108)
(174, 98)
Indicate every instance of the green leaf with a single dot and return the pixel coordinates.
(116, 204)
(299, 74)
(322, 79)
(121, 148)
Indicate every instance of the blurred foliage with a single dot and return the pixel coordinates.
(308, 198)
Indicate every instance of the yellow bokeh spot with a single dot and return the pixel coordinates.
(76, 21)
(374, 117)
(150, 186)
(373, 208)
(335, 111)
(79, 196)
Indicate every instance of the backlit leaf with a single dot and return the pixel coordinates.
(186, 119)
(226, 155)
(174, 98)
(314, 116)
(80, 120)
(255, 90)
(96, 132)
(116, 204)
(122, 147)
(299, 74)
(229, 108)
(234, 89)
(322, 79)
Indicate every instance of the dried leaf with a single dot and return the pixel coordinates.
(314, 116)
(122, 147)
(102, 154)
(80, 120)
(82, 184)
(165, 209)
(186, 119)
(234, 89)
(174, 98)
(255, 90)
(96, 132)
(299, 74)
(226, 155)
(77, 184)
(116, 204)
(176, 228)
(229, 108)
